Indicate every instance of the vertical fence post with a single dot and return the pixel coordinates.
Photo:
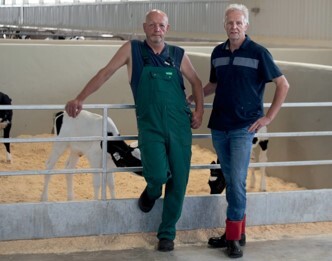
(104, 162)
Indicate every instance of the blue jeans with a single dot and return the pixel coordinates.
(233, 149)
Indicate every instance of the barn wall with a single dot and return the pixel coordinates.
(53, 74)
(68, 219)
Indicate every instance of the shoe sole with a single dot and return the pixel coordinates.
(242, 242)
(223, 246)
(165, 249)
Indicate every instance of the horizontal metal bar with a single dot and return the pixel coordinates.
(135, 137)
(132, 106)
(66, 139)
(61, 107)
(49, 172)
(68, 171)
(288, 104)
(291, 163)
(301, 104)
(269, 164)
(133, 169)
(295, 134)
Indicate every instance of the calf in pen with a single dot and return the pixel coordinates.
(89, 124)
(217, 181)
(6, 122)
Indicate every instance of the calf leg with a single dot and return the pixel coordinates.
(252, 178)
(95, 160)
(110, 179)
(252, 171)
(71, 164)
(263, 158)
(58, 149)
(6, 134)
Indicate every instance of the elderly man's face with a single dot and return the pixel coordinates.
(235, 25)
(155, 27)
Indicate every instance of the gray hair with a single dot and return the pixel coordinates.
(238, 7)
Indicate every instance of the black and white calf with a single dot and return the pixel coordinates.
(89, 124)
(217, 181)
(6, 117)
(262, 143)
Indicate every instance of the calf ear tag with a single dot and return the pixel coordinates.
(116, 156)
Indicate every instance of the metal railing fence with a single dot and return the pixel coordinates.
(104, 138)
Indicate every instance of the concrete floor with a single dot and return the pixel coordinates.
(308, 248)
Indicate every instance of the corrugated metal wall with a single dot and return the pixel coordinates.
(303, 19)
(184, 16)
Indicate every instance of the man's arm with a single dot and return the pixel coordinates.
(121, 58)
(282, 87)
(208, 89)
(197, 91)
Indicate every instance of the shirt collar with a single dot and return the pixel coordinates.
(243, 45)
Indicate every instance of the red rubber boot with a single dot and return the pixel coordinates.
(233, 235)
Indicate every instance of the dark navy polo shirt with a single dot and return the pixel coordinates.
(241, 77)
(160, 60)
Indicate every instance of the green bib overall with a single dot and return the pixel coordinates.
(165, 137)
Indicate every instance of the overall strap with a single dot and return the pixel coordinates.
(171, 56)
(146, 58)
(169, 61)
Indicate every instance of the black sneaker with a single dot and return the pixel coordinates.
(165, 245)
(145, 203)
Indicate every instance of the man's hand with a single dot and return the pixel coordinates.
(196, 120)
(260, 123)
(190, 99)
(73, 108)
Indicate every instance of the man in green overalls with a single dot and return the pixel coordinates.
(164, 120)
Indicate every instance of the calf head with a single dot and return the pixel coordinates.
(217, 181)
(123, 155)
(5, 118)
(5, 115)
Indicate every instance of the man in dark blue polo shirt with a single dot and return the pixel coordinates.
(240, 68)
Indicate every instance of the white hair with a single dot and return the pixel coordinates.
(238, 7)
